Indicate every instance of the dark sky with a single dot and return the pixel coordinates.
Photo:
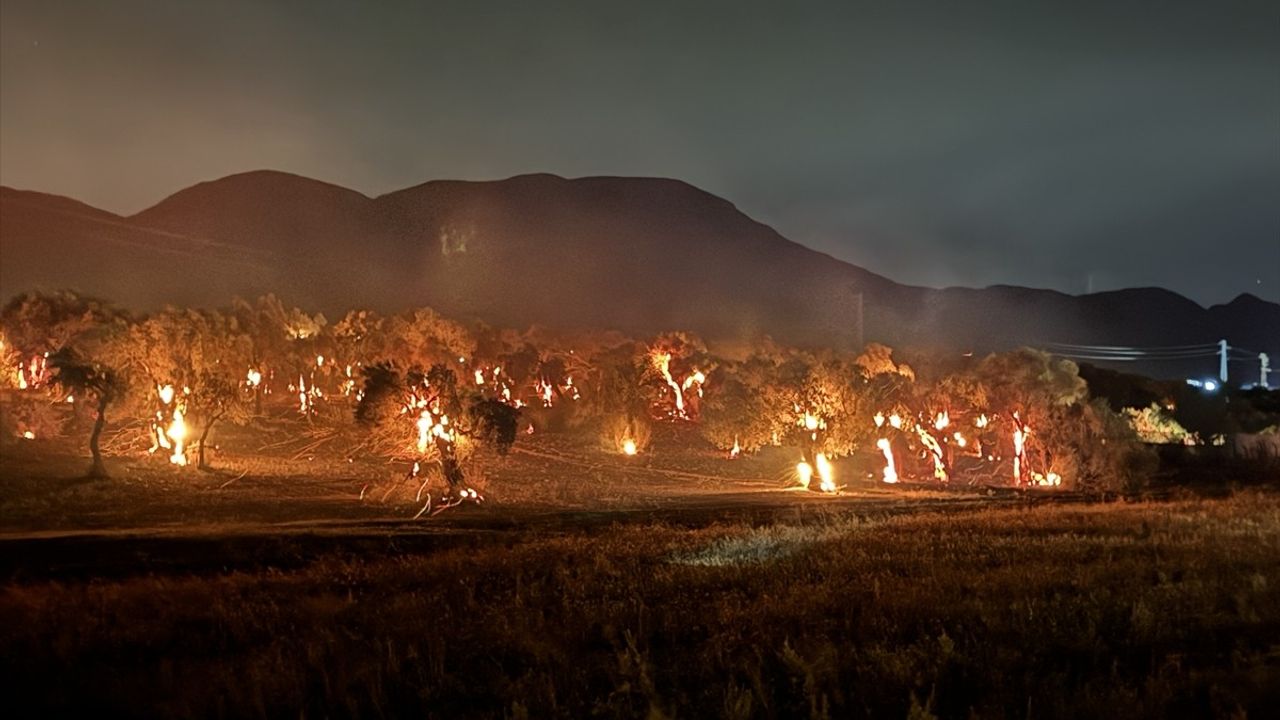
(1033, 143)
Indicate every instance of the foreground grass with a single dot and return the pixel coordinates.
(1149, 610)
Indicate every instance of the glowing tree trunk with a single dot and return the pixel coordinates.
(98, 469)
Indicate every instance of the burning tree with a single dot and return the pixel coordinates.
(428, 418)
(192, 363)
(678, 363)
(621, 395)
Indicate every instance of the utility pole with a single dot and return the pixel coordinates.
(1222, 361)
(1264, 369)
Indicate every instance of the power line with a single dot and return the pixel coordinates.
(1136, 349)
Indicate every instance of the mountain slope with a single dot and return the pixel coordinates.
(635, 254)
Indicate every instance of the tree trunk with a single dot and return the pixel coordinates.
(449, 465)
(204, 434)
(98, 469)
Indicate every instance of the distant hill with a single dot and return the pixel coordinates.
(634, 254)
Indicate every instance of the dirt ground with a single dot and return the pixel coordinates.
(283, 501)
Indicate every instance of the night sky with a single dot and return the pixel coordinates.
(1033, 143)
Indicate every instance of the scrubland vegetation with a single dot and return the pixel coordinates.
(1119, 610)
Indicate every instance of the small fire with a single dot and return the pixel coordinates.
(34, 373)
(736, 450)
(629, 447)
(431, 424)
(941, 421)
(479, 377)
(1052, 479)
(1020, 433)
(895, 420)
(662, 361)
(177, 432)
(694, 381)
(29, 435)
(825, 473)
(981, 421)
(935, 452)
(890, 468)
(804, 473)
(424, 430)
(253, 378)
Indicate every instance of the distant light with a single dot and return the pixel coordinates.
(1210, 385)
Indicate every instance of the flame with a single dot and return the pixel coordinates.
(177, 432)
(545, 390)
(1052, 479)
(479, 377)
(736, 450)
(960, 440)
(879, 418)
(430, 423)
(890, 468)
(424, 430)
(34, 373)
(629, 447)
(166, 393)
(825, 473)
(319, 361)
(695, 381)
(941, 421)
(896, 421)
(253, 378)
(981, 421)
(662, 361)
(1019, 450)
(935, 452)
(804, 473)
(28, 435)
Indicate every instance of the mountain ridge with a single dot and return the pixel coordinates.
(633, 254)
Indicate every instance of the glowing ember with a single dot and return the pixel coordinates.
(629, 447)
(29, 435)
(319, 361)
(895, 420)
(981, 421)
(890, 468)
(941, 421)
(960, 440)
(479, 377)
(879, 418)
(166, 394)
(736, 450)
(253, 378)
